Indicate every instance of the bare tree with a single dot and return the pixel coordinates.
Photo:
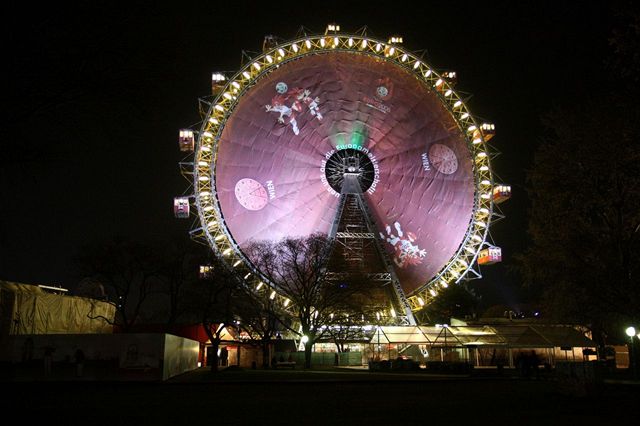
(585, 216)
(348, 327)
(296, 267)
(260, 320)
(214, 301)
(180, 264)
(129, 274)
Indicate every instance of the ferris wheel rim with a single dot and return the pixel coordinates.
(221, 109)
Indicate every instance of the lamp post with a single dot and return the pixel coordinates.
(631, 332)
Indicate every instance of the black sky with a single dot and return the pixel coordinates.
(96, 93)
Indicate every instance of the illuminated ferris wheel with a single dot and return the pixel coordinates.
(352, 137)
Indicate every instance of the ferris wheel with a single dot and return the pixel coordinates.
(323, 122)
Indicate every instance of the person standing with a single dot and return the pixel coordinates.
(48, 359)
(79, 356)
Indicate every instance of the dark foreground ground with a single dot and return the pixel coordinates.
(331, 397)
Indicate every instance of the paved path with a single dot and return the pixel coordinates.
(323, 397)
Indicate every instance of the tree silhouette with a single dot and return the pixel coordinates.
(585, 216)
(129, 274)
(297, 268)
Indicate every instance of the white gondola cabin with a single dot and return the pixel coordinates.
(205, 271)
(181, 207)
(186, 140)
(501, 193)
(218, 80)
(488, 130)
(489, 256)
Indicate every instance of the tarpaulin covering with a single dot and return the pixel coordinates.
(270, 165)
(27, 309)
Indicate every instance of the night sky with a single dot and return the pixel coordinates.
(97, 94)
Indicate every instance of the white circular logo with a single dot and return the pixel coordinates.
(382, 91)
(282, 87)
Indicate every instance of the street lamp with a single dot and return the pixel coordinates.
(631, 331)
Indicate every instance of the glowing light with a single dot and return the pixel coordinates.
(404, 58)
(247, 276)
(227, 95)
(478, 238)
(246, 75)
(465, 115)
(481, 224)
(378, 47)
(477, 141)
(220, 237)
(485, 196)
(304, 339)
(205, 194)
(393, 312)
(272, 295)
(448, 92)
(269, 59)
(472, 128)
(308, 44)
(257, 66)
(281, 52)
(485, 182)
(484, 168)
(481, 154)
(207, 135)
(212, 223)
(286, 302)
(457, 104)
(463, 262)
(483, 210)
(208, 208)
(350, 42)
(470, 250)
(392, 50)
(294, 47)
(219, 107)
(631, 331)
(427, 73)
(416, 65)
(335, 41)
(321, 42)
(205, 148)
(433, 292)
(438, 82)
(364, 43)
(236, 263)
(203, 178)
(259, 286)
(213, 121)
(420, 301)
(227, 251)
(444, 284)
(203, 163)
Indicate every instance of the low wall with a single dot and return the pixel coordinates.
(107, 356)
